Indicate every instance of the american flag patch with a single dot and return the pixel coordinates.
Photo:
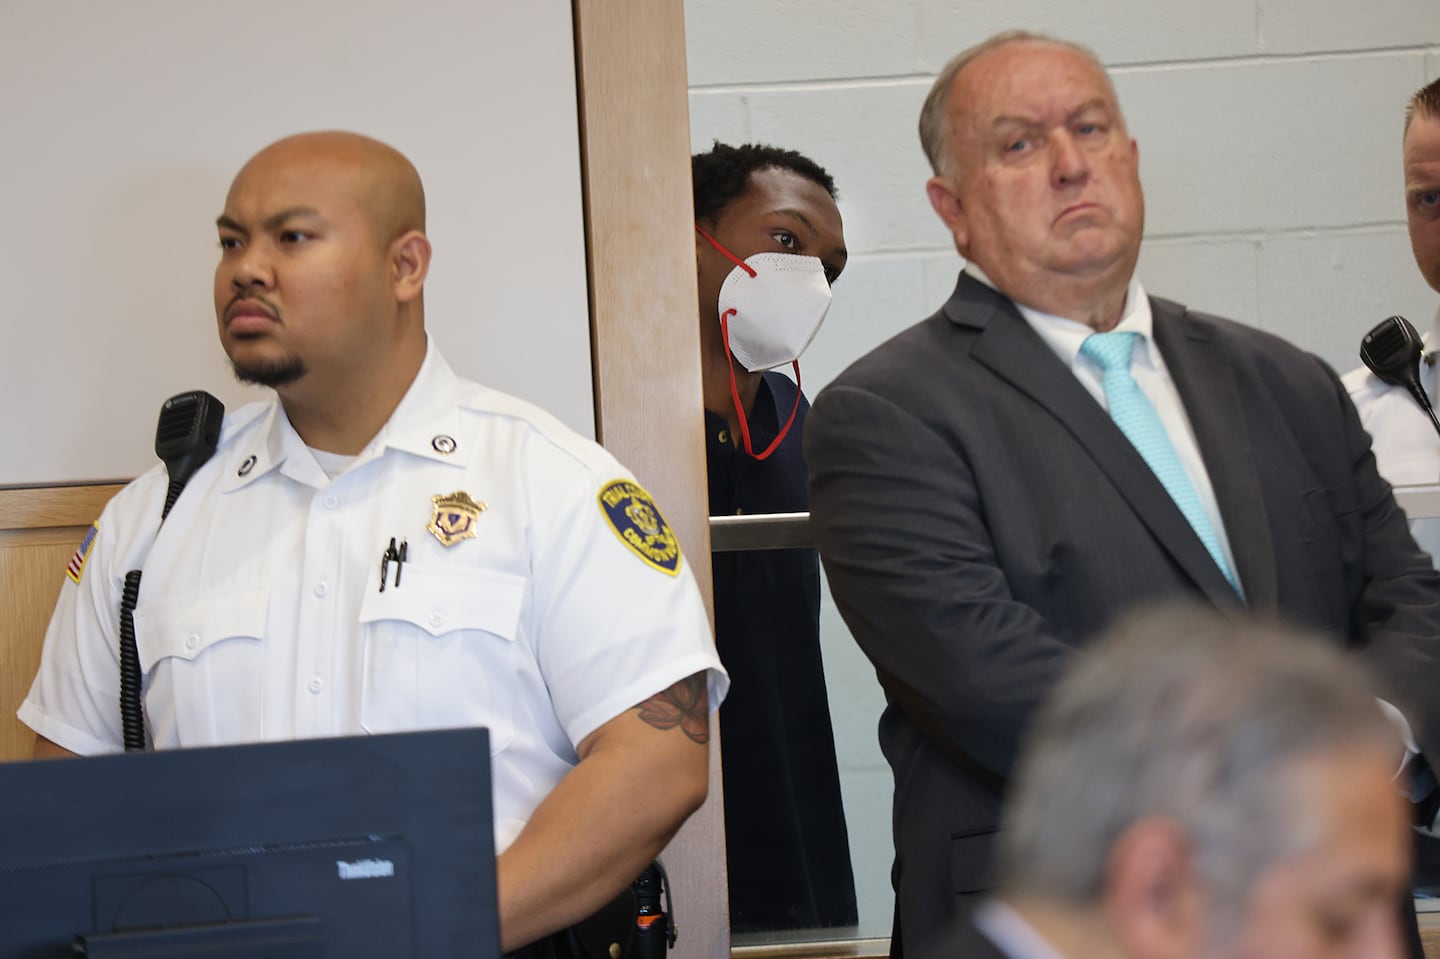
(76, 566)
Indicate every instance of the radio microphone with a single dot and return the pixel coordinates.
(185, 438)
(1392, 351)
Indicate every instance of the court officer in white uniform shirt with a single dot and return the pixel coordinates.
(1407, 449)
(383, 546)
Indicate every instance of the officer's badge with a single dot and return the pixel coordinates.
(455, 517)
(635, 519)
(76, 566)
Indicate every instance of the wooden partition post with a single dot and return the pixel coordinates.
(640, 244)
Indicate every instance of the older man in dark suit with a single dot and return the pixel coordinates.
(995, 484)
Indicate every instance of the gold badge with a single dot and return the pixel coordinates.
(455, 517)
(633, 517)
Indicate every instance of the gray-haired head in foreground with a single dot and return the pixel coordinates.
(1183, 714)
(935, 114)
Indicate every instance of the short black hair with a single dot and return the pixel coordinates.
(722, 173)
(1425, 103)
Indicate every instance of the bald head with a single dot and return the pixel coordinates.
(321, 276)
(380, 179)
(936, 115)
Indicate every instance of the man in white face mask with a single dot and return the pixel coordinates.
(768, 243)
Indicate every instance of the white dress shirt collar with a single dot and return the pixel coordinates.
(1014, 936)
(426, 416)
(1065, 337)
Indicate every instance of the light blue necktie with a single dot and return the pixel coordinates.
(1133, 413)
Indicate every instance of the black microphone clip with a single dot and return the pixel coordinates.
(1393, 351)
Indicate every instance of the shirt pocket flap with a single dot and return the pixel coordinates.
(442, 599)
(185, 628)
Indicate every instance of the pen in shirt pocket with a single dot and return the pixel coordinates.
(393, 554)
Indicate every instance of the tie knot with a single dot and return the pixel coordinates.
(1110, 351)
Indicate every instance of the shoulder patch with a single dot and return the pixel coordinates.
(636, 520)
(76, 566)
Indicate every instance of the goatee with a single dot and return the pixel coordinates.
(270, 373)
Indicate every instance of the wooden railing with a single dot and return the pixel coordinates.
(40, 528)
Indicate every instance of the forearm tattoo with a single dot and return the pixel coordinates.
(683, 704)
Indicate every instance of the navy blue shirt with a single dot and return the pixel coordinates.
(784, 822)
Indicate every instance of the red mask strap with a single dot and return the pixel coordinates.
(726, 253)
(740, 409)
(793, 410)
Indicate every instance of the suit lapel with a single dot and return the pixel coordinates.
(1008, 346)
(1206, 383)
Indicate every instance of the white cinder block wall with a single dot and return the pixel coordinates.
(1269, 135)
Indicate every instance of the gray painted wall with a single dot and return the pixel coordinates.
(123, 125)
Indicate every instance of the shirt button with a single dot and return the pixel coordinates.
(437, 620)
(321, 589)
(192, 641)
(316, 684)
(331, 502)
(724, 436)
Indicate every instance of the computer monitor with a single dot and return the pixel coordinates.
(373, 846)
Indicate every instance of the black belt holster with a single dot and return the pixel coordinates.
(633, 925)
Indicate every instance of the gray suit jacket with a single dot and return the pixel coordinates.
(980, 517)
